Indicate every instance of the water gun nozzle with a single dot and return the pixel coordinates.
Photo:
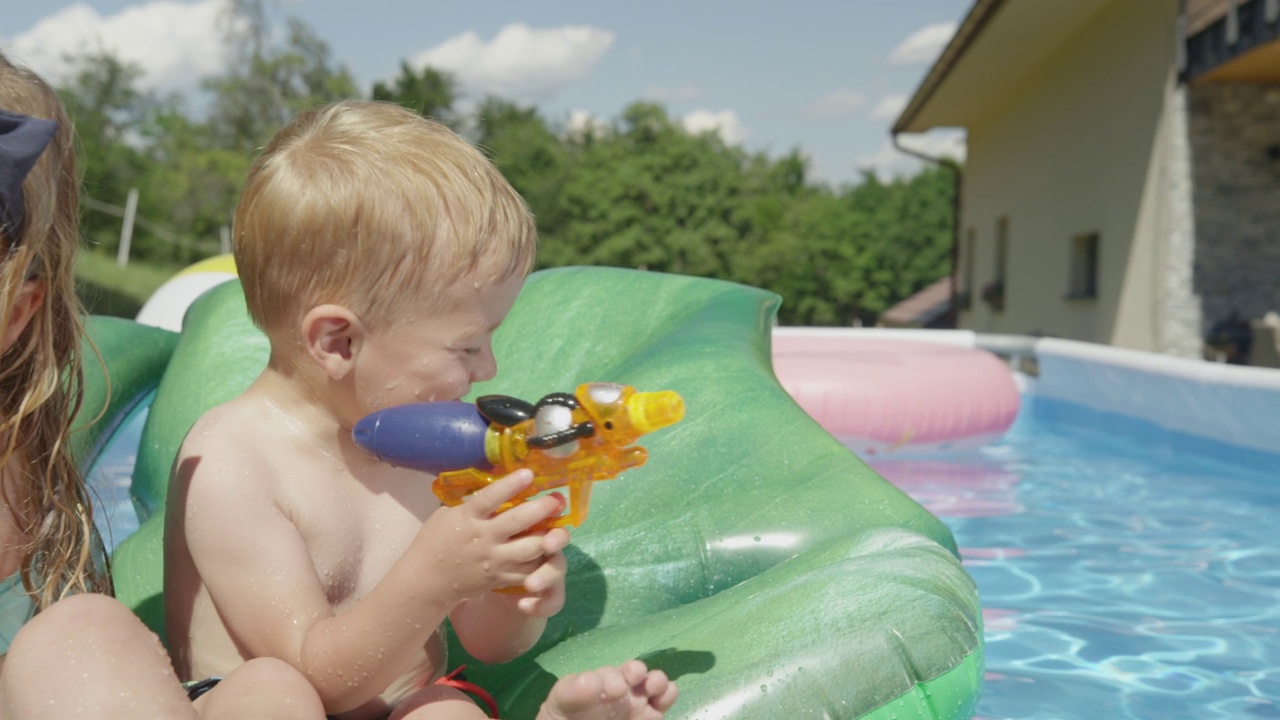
(651, 411)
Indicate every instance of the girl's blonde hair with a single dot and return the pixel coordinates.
(41, 378)
(371, 206)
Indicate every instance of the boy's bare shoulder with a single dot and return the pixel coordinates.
(230, 444)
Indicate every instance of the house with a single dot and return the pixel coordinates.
(928, 308)
(1122, 179)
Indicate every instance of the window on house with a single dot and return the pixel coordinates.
(968, 251)
(1083, 280)
(993, 293)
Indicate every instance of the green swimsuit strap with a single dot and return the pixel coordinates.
(16, 608)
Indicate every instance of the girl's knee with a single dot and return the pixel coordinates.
(76, 621)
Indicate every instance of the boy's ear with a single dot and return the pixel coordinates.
(332, 335)
(29, 300)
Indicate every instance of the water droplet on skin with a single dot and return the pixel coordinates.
(485, 566)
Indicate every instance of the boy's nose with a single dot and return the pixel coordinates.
(486, 366)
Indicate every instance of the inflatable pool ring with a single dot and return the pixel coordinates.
(880, 395)
(753, 558)
(168, 304)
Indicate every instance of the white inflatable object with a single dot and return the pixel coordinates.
(168, 305)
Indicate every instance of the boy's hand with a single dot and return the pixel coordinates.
(474, 550)
(546, 584)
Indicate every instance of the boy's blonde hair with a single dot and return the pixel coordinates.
(41, 375)
(373, 207)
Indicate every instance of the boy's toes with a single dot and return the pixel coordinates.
(661, 691)
(635, 672)
(577, 693)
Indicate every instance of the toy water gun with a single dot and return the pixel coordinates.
(566, 440)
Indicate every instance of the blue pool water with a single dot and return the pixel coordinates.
(1122, 576)
(1119, 578)
(109, 478)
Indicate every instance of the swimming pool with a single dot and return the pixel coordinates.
(1126, 570)
(1118, 579)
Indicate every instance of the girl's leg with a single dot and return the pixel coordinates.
(89, 655)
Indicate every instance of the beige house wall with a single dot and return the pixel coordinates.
(1083, 145)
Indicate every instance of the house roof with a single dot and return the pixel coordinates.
(921, 309)
(996, 46)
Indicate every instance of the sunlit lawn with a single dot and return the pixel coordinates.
(107, 289)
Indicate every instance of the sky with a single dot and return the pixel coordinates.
(826, 77)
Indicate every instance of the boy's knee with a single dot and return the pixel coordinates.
(270, 677)
(266, 670)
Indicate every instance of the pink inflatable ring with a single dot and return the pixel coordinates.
(879, 395)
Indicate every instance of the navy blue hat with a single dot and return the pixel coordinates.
(22, 139)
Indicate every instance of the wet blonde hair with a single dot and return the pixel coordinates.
(373, 207)
(40, 375)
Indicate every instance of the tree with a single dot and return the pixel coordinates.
(649, 195)
(266, 85)
(431, 93)
(532, 158)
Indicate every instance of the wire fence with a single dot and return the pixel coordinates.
(129, 218)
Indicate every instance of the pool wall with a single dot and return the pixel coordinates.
(1216, 405)
(1224, 411)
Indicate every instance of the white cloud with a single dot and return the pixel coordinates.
(923, 45)
(834, 104)
(521, 62)
(682, 93)
(725, 123)
(890, 162)
(583, 122)
(175, 43)
(889, 107)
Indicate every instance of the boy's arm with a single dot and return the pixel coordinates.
(260, 575)
(498, 627)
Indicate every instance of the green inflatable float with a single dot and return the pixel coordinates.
(754, 559)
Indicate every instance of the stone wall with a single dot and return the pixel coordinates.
(1234, 133)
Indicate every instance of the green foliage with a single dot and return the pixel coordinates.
(430, 93)
(188, 171)
(641, 192)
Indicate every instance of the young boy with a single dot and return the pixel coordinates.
(378, 252)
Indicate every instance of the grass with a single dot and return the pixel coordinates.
(108, 289)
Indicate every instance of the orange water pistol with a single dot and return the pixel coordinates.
(568, 441)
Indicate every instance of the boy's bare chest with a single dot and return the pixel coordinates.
(356, 529)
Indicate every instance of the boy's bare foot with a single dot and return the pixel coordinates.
(629, 692)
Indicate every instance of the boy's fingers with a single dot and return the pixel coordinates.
(524, 550)
(546, 575)
(527, 514)
(555, 540)
(488, 499)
